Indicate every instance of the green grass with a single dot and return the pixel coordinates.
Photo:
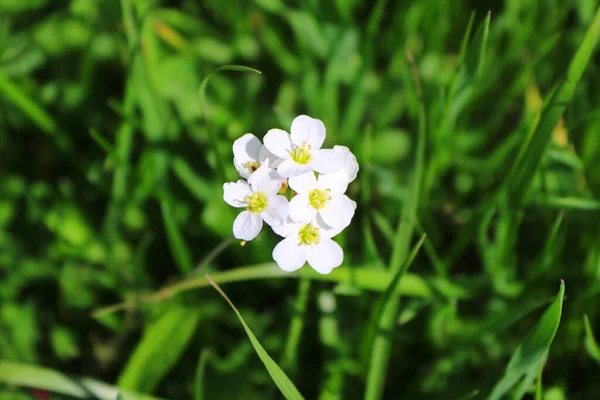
(476, 128)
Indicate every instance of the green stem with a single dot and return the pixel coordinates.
(380, 355)
(289, 360)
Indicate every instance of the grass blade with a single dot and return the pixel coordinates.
(12, 373)
(406, 224)
(284, 384)
(179, 248)
(386, 297)
(366, 278)
(520, 177)
(164, 340)
(591, 346)
(533, 348)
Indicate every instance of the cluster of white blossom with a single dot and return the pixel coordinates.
(317, 210)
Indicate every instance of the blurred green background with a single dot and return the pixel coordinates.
(112, 161)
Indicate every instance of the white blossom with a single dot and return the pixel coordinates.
(259, 197)
(323, 196)
(307, 242)
(301, 151)
(249, 154)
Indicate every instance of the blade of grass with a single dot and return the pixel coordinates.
(31, 376)
(289, 359)
(408, 217)
(284, 384)
(164, 340)
(15, 95)
(520, 177)
(591, 346)
(366, 278)
(200, 375)
(179, 248)
(385, 298)
(533, 348)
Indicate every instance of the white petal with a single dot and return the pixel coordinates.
(278, 142)
(288, 255)
(276, 211)
(300, 210)
(241, 168)
(246, 148)
(289, 168)
(235, 192)
(273, 160)
(265, 180)
(336, 181)
(288, 228)
(350, 163)
(338, 212)
(247, 225)
(309, 130)
(326, 231)
(326, 161)
(325, 256)
(303, 183)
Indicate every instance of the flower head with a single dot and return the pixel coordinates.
(307, 242)
(323, 196)
(259, 197)
(249, 154)
(301, 151)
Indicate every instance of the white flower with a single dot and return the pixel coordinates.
(259, 197)
(349, 168)
(307, 242)
(301, 151)
(249, 154)
(324, 197)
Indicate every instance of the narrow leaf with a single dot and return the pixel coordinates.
(284, 384)
(161, 346)
(533, 348)
(591, 346)
(530, 156)
(12, 373)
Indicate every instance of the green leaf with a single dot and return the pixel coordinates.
(284, 384)
(386, 297)
(179, 248)
(532, 350)
(521, 175)
(161, 346)
(366, 278)
(120, 396)
(591, 346)
(12, 373)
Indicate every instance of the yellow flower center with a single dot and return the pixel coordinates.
(317, 198)
(252, 165)
(301, 154)
(257, 202)
(308, 235)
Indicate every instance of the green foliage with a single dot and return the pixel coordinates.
(531, 354)
(160, 347)
(476, 128)
(284, 384)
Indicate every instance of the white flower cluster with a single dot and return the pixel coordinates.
(318, 209)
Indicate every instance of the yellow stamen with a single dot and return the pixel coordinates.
(257, 202)
(317, 198)
(252, 165)
(308, 235)
(301, 154)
